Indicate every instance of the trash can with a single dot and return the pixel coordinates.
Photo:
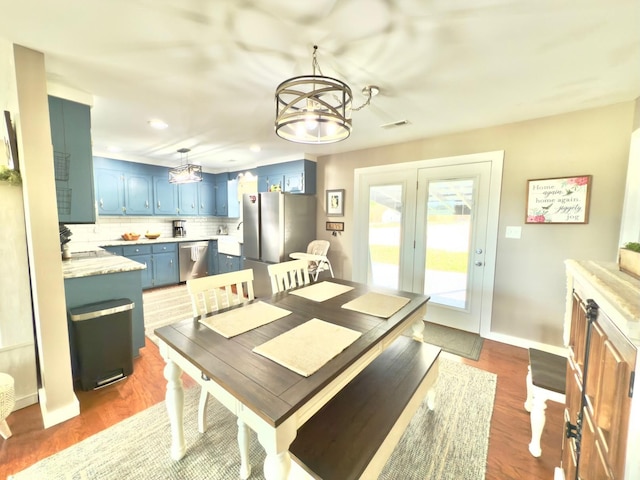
(103, 340)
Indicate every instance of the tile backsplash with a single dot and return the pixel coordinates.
(110, 228)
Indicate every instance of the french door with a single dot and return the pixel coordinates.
(431, 227)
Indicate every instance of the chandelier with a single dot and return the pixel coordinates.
(316, 109)
(186, 172)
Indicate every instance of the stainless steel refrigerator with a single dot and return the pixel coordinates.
(275, 224)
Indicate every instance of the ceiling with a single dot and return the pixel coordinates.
(209, 68)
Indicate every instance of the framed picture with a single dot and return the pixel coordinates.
(335, 203)
(558, 200)
(335, 226)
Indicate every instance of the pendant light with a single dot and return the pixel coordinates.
(315, 109)
(186, 172)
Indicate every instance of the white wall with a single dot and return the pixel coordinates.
(529, 296)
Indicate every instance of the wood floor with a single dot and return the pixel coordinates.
(508, 457)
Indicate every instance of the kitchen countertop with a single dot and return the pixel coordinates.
(89, 258)
(86, 264)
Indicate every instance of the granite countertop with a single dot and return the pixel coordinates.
(87, 264)
(89, 258)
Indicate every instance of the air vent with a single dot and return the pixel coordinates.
(398, 123)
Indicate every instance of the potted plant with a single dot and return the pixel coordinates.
(12, 177)
(629, 259)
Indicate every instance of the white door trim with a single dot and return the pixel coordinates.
(496, 158)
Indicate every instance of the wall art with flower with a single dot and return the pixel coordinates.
(558, 200)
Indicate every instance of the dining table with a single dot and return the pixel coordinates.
(271, 397)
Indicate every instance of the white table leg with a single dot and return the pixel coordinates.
(243, 444)
(538, 418)
(431, 399)
(202, 410)
(175, 408)
(276, 444)
(528, 404)
(418, 329)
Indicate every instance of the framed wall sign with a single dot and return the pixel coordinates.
(335, 203)
(558, 200)
(335, 226)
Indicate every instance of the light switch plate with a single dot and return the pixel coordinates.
(513, 232)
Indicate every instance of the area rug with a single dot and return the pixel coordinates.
(458, 342)
(448, 443)
(164, 306)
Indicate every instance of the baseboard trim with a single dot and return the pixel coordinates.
(60, 414)
(524, 343)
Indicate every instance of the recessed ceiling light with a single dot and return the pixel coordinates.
(255, 148)
(158, 124)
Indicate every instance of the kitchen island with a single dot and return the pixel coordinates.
(96, 276)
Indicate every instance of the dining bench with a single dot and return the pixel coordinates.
(353, 435)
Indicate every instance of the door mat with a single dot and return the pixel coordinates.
(458, 342)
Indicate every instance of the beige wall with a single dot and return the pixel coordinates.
(530, 282)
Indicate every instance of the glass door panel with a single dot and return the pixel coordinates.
(385, 223)
(446, 241)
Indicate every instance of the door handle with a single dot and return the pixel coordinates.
(478, 263)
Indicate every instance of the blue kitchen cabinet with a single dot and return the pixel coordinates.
(165, 264)
(228, 263)
(165, 196)
(141, 254)
(207, 195)
(138, 194)
(233, 209)
(98, 288)
(110, 191)
(298, 176)
(214, 268)
(222, 206)
(115, 249)
(161, 261)
(70, 124)
(188, 199)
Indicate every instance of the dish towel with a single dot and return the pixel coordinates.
(195, 254)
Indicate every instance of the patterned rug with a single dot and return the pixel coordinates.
(164, 306)
(449, 443)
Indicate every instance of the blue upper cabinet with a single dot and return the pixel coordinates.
(222, 200)
(123, 188)
(165, 196)
(138, 194)
(298, 176)
(188, 199)
(110, 191)
(73, 163)
(207, 195)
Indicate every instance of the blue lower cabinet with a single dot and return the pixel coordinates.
(161, 261)
(228, 263)
(214, 267)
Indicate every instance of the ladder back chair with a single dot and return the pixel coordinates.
(287, 275)
(210, 294)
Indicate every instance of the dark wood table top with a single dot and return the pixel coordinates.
(272, 391)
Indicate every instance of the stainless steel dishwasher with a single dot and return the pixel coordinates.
(193, 260)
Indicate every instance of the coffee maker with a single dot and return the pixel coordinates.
(179, 228)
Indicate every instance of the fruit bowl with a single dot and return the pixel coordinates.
(130, 236)
(151, 236)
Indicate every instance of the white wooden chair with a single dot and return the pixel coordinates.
(287, 275)
(316, 256)
(210, 294)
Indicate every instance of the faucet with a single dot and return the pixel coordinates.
(239, 225)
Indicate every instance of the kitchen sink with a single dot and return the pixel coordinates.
(229, 246)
